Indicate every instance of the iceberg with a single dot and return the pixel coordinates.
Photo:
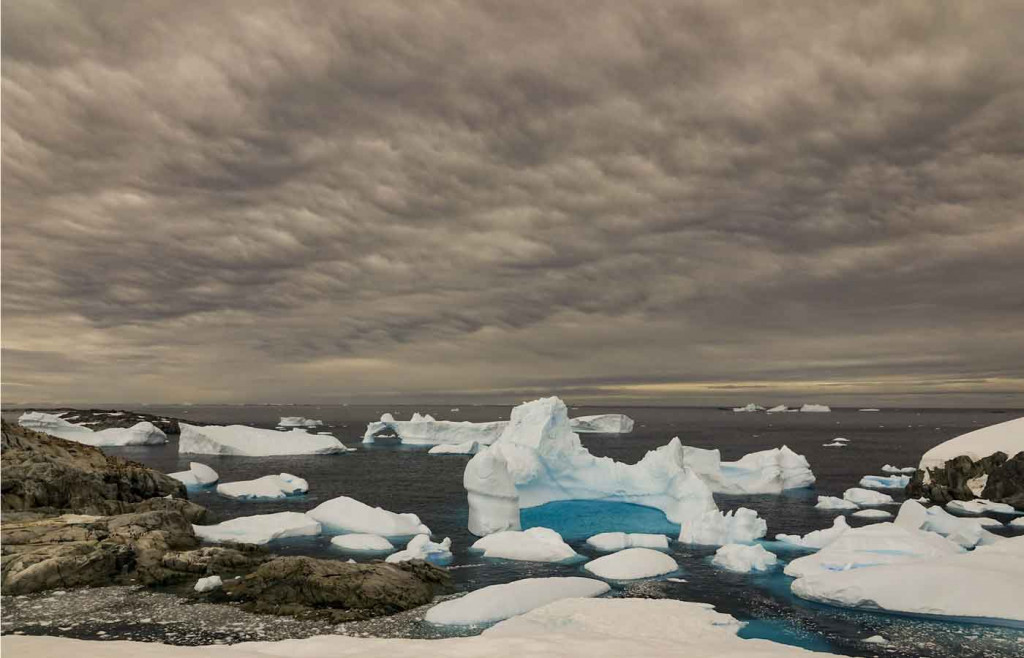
(1017, 523)
(831, 502)
(883, 482)
(818, 538)
(497, 602)
(714, 528)
(467, 448)
(347, 515)
(538, 459)
(197, 475)
(869, 409)
(425, 430)
(631, 564)
(208, 584)
(815, 408)
(748, 408)
(979, 506)
(259, 529)
(962, 531)
(876, 514)
(602, 424)
(780, 409)
(244, 441)
(867, 497)
(1005, 437)
(895, 470)
(139, 434)
(744, 558)
(421, 548)
(268, 487)
(767, 471)
(616, 541)
(298, 421)
(533, 545)
(362, 542)
(833, 444)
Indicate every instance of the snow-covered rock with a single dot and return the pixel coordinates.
(966, 532)
(298, 421)
(348, 515)
(208, 584)
(467, 448)
(873, 514)
(617, 541)
(139, 434)
(197, 475)
(631, 564)
(979, 506)
(421, 548)
(1006, 437)
(831, 502)
(866, 497)
(497, 602)
(425, 430)
(244, 441)
(259, 529)
(602, 424)
(896, 470)
(362, 542)
(748, 408)
(532, 545)
(766, 471)
(744, 558)
(267, 487)
(815, 408)
(884, 482)
(715, 528)
(817, 538)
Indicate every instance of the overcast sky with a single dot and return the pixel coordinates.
(441, 201)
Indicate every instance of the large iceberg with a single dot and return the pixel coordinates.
(425, 430)
(298, 421)
(610, 542)
(818, 538)
(602, 424)
(245, 441)
(532, 545)
(344, 515)
(631, 564)
(714, 528)
(268, 487)
(259, 529)
(767, 471)
(744, 558)
(467, 448)
(498, 602)
(421, 548)
(197, 475)
(1005, 437)
(139, 434)
(885, 482)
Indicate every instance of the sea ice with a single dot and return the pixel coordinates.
(895, 470)
(876, 514)
(631, 564)
(207, 584)
(883, 482)
(532, 545)
(197, 475)
(1007, 437)
(467, 448)
(715, 528)
(979, 506)
(421, 548)
(767, 471)
(617, 541)
(831, 502)
(267, 487)
(139, 434)
(815, 408)
(744, 558)
(362, 542)
(497, 602)
(259, 529)
(244, 441)
(817, 538)
(866, 497)
(602, 424)
(298, 421)
(348, 515)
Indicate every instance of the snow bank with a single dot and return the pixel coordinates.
(979, 506)
(631, 564)
(259, 529)
(817, 538)
(362, 542)
(1005, 437)
(467, 448)
(421, 548)
(876, 514)
(244, 441)
(348, 515)
(208, 584)
(425, 430)
(831, 502)
(298, 421)
(197, 475)
(883, 482)
(815, 408)
(743, 558)
(616, 541)
(767, 471)
(962, 531)
(267, 487)
(497, 602)
(866, 497)
(139, 434)
(717, 529)
(899, 469)
(533, 545)
(602, 424)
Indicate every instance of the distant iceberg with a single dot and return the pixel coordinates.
(748, 408)
(198, 475)
(425, 430)
(866, 497)
(139, 434)
(467, 448)
(895, 470)
(497, 602)
(764, 472)
(883, 482)
(602, 424)
(268, 487)
(779, 409)
(298, 421)
(362, 542)
(1005, 437)
(245, 441)
(831, 502)
(872, 514)
(979, 506)
(815, 408)
(259, 529)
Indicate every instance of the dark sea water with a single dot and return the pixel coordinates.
(406, 479)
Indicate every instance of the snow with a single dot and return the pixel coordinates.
(866, 497)
(749, 407)
(1006, 437)
(139, 434)
(207, 584)
(631, 564)
(833, 444)
(979, 506)
(532, 545)
(817, 538)
(940, 586)
(815, 408)
(962, 531)
(743, 558)
(894, 470)
(617, 541)
(602, 424)
(538, 459)
(1017, 523)
(425, 430)
(876, 514)
(267, 487)
(197, 475)
(831, 502)
(421, 548)
(467, 448)
(715, 528)
(362, 542)
(767, 471)
(244, 441)
(298, 421)
(497, 602)
(883, 482)
(345, 515)
(259, 529)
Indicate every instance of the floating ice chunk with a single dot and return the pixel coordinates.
(831, 502)
(866, 497)
(833, 444)
(876, 514)
(532, 545)
(979, 506)
(631, 564)
(714, 528)
(962, 531)
(348, 515)
(362, 542)
(767, 471)
(883, 482)
(244, 441)
(208, 584)
(267, 487)
(421, 548)
(197, 475)
(298, 421)
(139, 434)
(744, 558)
(817, 538)
(815, 408)
(841, 439)
(1007, 437)
(425, 430)
(895, 470)
(602, 424)
(497, 602)
(748, 408)
(870, 409)
(780, 409)
(467, 448)
(617, 541)
(259, 529)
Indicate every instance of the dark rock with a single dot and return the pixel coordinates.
(1005, 483)
(101, 419)
(64, 565)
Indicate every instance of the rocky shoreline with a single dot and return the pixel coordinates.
(996, 478)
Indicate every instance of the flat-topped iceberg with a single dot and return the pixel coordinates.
(744, 558)
(362, 542)
(867, 497)
(259, 529)
(421, 548)
(497, 602)
(346, 515)
(1005, 437)
(467, 448)
(748, 408)
(831, 502)
(896, 470)
(532, 545)
(426, 430)
(884, 482)
(197, 475)
(244, 441)
(815, 408)
(779, 409)
(872, 514)
(979, 506)
(818, 538)
(602, 424)
(268, 487)
(766, 471)
(139, 434)
(617, 541)
(714, 528)
(631, 564)
(298, 421)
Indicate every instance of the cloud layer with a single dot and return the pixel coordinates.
(653, 200)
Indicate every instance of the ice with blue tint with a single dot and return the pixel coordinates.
(885, 482)
(576, 520)
(764, 472)
(421, 548)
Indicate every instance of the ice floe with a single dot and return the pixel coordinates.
(497, 602)
(715, 528)
(884, 482)
(748, 408)
(139, 434)
(268, 487)
(467, 448)
(208, 584)
(766, 471)
(817, 538)
(421, 548)
(358, 541)
(895, 470)
(532, 545)
(348, 515)
(966, 532)
(631, 564)
(781, 408)
(979, 506)
(602, 424)
(1005, 437)
(617, 541)
(197, 475)
(867, 497)
(831, 502)
(260, 528)
(298, 421)
(874, 514)
(245, 441)
(744, 558)
(815, 408)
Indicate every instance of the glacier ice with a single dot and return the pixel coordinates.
(467, 448)
(866, 497)
(421, 548)
(815, 408)
(617, 541)
(298, 421)
(714, 528)
(267, 487)
(884, 482)
(1006, 437)
(347, 515)
(817, 538)
(139, 434)
(631, 564)
(831, 502)
(766, 471)
(244, 441)
(362, 542)
(602, 424)
(208, 584)
(197, 475)
(744, 558)
(259, 529)
(497, 602)
(532, 545)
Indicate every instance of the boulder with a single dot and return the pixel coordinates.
(1005, 483)
(1003, 480)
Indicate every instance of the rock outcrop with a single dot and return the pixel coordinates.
(1001, 480)
(101, 419)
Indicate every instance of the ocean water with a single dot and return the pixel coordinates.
(407, 479)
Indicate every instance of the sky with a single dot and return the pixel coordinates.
(623, 203)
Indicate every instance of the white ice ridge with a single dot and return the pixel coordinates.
(421, 548)
(197, 475)
(602, 424)
(425, 430)
(831, 502)
(1005, 437)
(344, 515)
(896, 470)
(616, 541)
(497, 602)
(532, 545)
(884, 482)
(298, 421)
(779, 409)
(714, 528)
(817, 538)
(267, 487)
(207, 584)
(764, 472)
(259, 529)
(979, 506)
(244, 441)
(744, 558)
(964, 532)
(362, 542)
(538, 459)
(866, 497)
(983, 585)
(467, 448)
(815, 408)
(139, 434)
(748, 408)
(632, 564)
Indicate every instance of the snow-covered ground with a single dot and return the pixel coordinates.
(1005, 437)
